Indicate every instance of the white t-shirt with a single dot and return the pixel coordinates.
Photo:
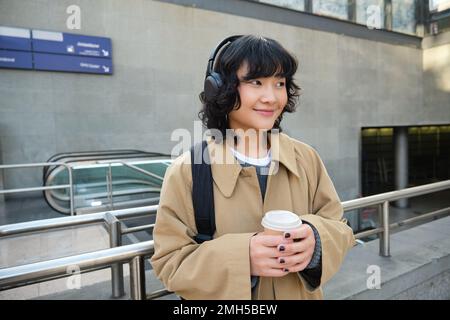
(253, 161)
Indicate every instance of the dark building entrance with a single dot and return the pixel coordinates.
(428, 157)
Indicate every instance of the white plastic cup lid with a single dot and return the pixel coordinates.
(281, 220)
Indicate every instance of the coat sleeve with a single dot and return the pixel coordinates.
(327, 217)
(215, 269)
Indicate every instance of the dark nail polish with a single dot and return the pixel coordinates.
(286, 270)
(287, 235)
(281, 248)
(281, 260)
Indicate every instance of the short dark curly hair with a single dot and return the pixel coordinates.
(265, 57)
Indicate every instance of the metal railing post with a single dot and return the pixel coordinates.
(115, 240)
(69, 168)
(109, 187)
(137, 278)
(384, 239)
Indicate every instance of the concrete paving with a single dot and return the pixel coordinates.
(418, 267)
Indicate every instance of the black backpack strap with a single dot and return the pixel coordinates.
(202, 193)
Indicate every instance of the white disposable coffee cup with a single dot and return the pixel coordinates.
(277, 222)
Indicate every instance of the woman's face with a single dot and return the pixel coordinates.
(262, 101)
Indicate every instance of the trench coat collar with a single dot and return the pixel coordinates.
(225, 168)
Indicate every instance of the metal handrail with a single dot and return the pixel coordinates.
(396, 195)
(140, 170)
(64, 222)
(383, 199)
(43, 164)
(47, 270)
(138, 228)
(62, 186)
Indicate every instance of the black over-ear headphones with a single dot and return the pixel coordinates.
(213, 80)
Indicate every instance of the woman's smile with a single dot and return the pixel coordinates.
(265, 112)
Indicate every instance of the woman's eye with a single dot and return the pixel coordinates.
(280, 84)
(255, 82)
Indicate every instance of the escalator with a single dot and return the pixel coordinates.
(106, 180)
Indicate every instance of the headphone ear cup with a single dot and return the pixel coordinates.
(212, 86)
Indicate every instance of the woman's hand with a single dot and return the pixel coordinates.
(275, 256)
(300, 251)
(265, 254)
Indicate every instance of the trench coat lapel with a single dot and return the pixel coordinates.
(225, 168)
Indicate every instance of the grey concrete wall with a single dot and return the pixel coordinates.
(436, 68)
(160, 52)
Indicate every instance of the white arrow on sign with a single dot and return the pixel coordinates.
(105, 52)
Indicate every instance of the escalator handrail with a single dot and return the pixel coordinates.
(61, 156)
(84, 153)
(49, 169)
(45, 178)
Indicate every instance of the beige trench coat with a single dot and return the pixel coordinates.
(220, 268)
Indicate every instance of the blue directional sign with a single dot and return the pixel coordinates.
(15, 39)
(57, 62)
(54, 51)
(15, 59)
(72, 44)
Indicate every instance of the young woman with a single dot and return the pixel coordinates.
(249, 86)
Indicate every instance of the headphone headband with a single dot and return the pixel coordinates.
(212, 57)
